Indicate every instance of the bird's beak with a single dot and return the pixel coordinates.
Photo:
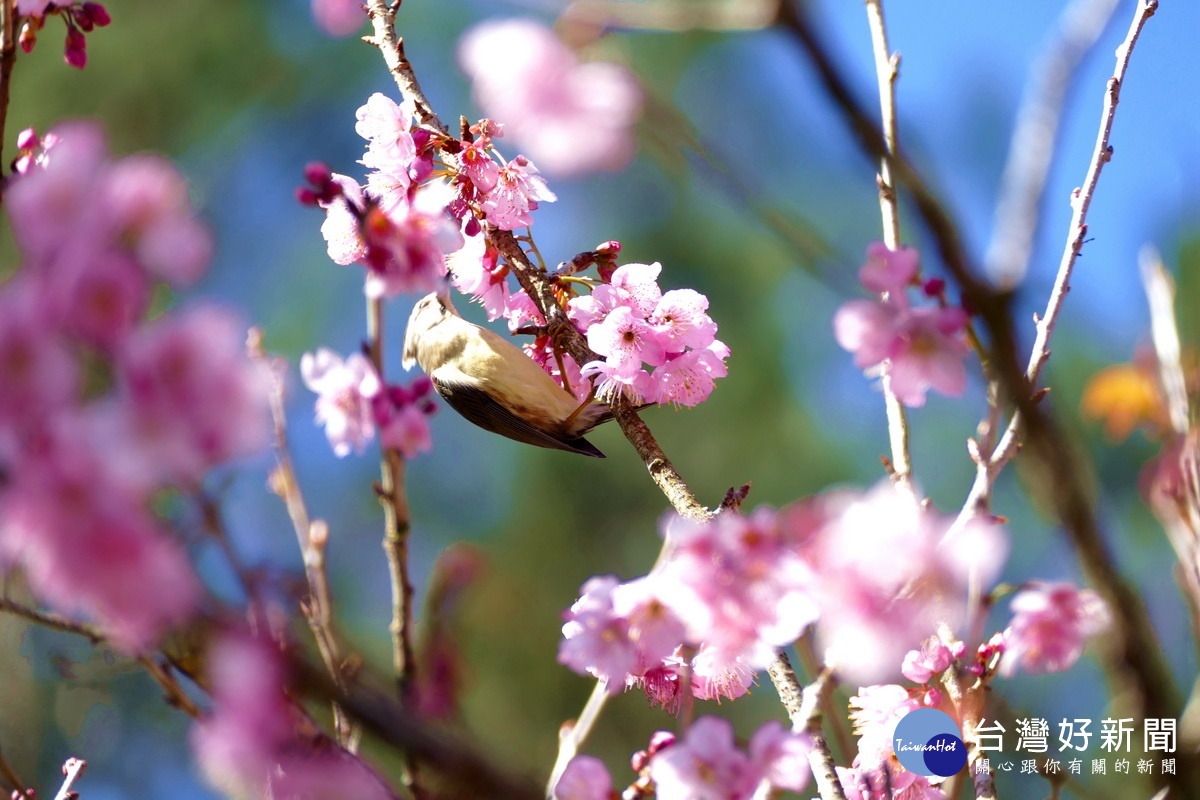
(443, 294)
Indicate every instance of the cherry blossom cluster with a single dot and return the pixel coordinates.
(80, 18)
(1050, 624)
(101, 409)
(352, 402)
(637, 327)
(914, 348)
(402, 224)
(876, 773)
(573, 117)
(874, 570)
(255, 743)
(706, 762)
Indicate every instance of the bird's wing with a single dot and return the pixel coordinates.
(479, 407)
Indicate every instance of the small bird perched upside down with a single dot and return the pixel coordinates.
(493, 384)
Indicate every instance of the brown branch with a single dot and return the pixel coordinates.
(1035, 137)
(20, 789)
(53, 621)
(1137, 656)
(8, 60)
(807, 717)
(173, 692)
(383, 19)
(73, 770)
(397, 526)
(395, 723)
(887, 71)
(311, 537)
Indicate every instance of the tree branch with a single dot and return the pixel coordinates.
(887, 70)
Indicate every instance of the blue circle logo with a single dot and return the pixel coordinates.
(928, 742)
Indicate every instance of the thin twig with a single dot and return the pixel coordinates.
(8, 59)
(1137, 655)
(311, 536)
(396, 723)
(73, 769)
(383, 20)
(1035, 138)
(808, 718)
(887, 71)
(395, 544)
(20, 789)
(172, 691)
(49, 619)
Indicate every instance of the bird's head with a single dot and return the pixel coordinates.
(429, 311)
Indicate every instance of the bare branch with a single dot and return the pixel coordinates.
(887, 71)
(20, 789)
(311, 536)
(73, 769)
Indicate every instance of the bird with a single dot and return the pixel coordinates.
(492, 383)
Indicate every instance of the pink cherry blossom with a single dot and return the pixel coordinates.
(932, 659)
(342, 229)
(82, 532)
(518, 191)
(596, 638)
(586, 310)
(1050, 625)
(885, 575)
(402, 414)
(479, 166)
(574, 117)
(719, 674)
(612, 382)
(387, 127)
(889, 271)
(641, 282)
(781, 756)
(41, 376)
(585, 778)
(680, 318)
(929, 355)
(915, 349)
(689, 378)
(56, 204)
(626, 341)
(146, 201)
(898, 784)
(345, 391)
(408, 248)
(97, 297)
(475, 270)
(339, 17)
(188, 397)
(516, 194)
(705, 764)
(737, 585)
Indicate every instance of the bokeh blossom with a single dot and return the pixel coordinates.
(255, 743)
(1051, 624)
(573, 117)
(706, 764)
(914, 349)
